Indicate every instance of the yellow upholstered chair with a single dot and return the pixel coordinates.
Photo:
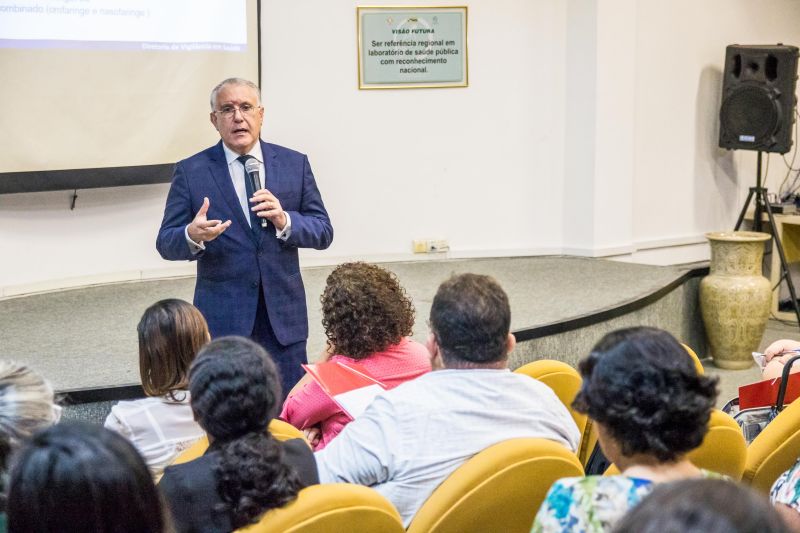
(588, 442)
(697, 364)
(499, 489)
(565, 382)
(336, 507)
(284, 430)
(280, 430)
(723, 449)
(562, 378)
(775, 450)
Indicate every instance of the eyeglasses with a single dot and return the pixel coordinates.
(228, 111)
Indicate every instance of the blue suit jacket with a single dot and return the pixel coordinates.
(235, 264)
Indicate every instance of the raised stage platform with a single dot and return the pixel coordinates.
(86, 338)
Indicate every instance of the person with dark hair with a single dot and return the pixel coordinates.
(412, 437)
(81, 478)
(785, 496)
(245, 472)
(171, 332)
(367, 317)
(650, 407)
(702, 506)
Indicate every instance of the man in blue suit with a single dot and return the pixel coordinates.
(248, 274)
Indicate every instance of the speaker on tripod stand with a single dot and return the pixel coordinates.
(758, 98)
(757, 113)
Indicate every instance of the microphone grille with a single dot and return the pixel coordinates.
(251, 166)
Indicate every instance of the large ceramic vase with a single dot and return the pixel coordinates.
(735, 297)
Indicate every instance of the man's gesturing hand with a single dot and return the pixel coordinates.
(201, 229)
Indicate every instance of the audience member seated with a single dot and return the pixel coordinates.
(84, 479)
(650, 408)
(235, 392)
(785, 495)
(702, 506)
(412, 437)
(367, 317)
(162, 425)
(777, 354)
(26, 406)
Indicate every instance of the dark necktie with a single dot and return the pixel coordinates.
(255, 221)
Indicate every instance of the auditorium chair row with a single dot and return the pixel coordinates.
(502, 487)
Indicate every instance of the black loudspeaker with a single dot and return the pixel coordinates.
(758, 98)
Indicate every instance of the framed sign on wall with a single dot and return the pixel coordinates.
(404, 47)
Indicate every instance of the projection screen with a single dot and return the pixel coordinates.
(103, 93)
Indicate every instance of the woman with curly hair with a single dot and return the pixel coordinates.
(650, 407)
(367, 317)
(162, 425)
(245, 472)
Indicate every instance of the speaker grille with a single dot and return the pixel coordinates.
(750, 114)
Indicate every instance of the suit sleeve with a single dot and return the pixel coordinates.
(311, 227)
(171, 241)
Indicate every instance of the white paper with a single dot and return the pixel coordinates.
(356, 401)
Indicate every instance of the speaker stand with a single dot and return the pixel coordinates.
(762, 204)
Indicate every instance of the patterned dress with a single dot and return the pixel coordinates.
(786, 489)
(593, 504)
(590, 504)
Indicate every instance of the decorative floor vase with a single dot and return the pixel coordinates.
(735, 297)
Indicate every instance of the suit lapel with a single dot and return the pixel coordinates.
(218, 167)
(271, 180)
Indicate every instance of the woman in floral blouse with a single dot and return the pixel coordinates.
(785, 496)
(650, 408)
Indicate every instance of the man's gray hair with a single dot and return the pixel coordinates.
(233, 81)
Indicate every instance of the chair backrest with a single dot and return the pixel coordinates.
(284, 430)
(775, 450)
(499, 489)
(723, 449)
(697, 364)
(562, 378)
(565, 382)
(331, 508)
(280, 430)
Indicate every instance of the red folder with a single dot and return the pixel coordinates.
(765, 393)
(349, 385)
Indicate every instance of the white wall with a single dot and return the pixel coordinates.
(588, 127)
(685, 184)
(480, 166)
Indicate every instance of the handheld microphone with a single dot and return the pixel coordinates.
(251, 167)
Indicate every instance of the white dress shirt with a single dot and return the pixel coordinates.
(412, 437)
(160, 428)
(236, 171)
